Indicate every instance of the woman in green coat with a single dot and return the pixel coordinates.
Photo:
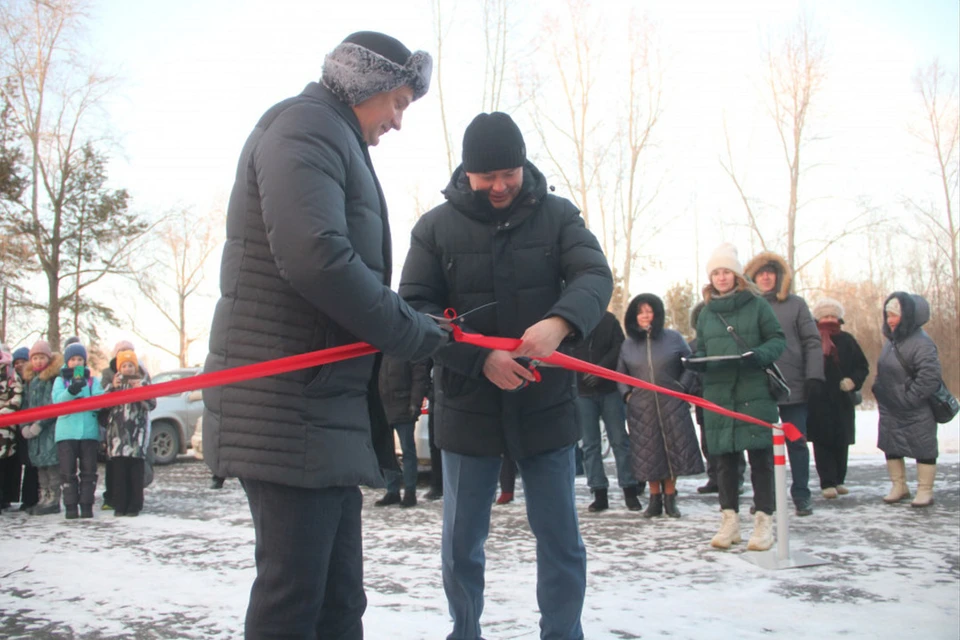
(732, 301)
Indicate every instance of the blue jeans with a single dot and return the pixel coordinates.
(610, 407)
(408, 448)
(798, 453)
(309, 556)
(469, 484)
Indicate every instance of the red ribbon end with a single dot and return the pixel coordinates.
(791, 432)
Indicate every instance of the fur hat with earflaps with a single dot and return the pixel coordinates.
(367, 63)
(827, 307)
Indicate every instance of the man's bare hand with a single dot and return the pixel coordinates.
(502, 370)
(543, 338)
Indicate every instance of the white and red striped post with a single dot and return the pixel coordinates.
(780, 558)
(780, 492)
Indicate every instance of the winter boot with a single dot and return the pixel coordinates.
(409, 499)
(655, 508)
(600, 502)
(435, 493)
(898, 476)
(670, 505)
(710, 487)
(86, 511)
(729, 530)
(762, 537)
(842, 490)
(506, 497)
(216, 482)
(925, 476)
(389, 498)
(830, 493)
(70, 512)
(631, 499)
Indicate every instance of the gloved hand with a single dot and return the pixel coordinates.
(31, 430)
(590, 380)
(847, 384)
(812, 387)
(75, 386)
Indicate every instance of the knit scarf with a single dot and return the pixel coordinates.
(828, 329)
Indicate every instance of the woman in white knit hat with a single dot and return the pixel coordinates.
(831, 419)
(739, 384)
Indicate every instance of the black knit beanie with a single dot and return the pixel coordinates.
(492, 142)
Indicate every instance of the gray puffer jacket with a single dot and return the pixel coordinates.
(802, 360)
(907, 427)
(663, 441)
(306, 266)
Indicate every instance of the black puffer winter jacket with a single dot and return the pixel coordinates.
(535, 260)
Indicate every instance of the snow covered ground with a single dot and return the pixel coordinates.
(183, 569)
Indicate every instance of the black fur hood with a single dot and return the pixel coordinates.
(630, 317)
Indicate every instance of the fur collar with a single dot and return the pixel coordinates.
(630, 317)
(784, 274)
(51, 372)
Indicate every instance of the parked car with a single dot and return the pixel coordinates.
(173, 421)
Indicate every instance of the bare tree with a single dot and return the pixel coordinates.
(441, 29)
(938, 90)
(80, 230)
(495, 30)
(597, 151)
(170, 284)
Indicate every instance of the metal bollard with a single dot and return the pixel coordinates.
(781, 557)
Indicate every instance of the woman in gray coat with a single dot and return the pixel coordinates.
(663, 442)
(908, 374)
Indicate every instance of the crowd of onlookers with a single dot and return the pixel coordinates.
(50, 465)
(759, 350)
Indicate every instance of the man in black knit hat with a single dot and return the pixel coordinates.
(502, 238)
(306, 266)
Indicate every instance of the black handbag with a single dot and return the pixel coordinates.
(776, 383)
(942, 402)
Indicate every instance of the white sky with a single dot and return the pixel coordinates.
(195, 77)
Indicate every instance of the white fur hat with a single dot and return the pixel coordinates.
(827, 307)
(725, 257)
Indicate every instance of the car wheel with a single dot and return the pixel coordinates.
(165, 442)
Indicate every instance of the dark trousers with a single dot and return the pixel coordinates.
(10, 469)
(309, 556)
(712, 462)
(30, 486)
(761, 475)
(831, 463)
(436, 458)
(508, 474)
(78, 491)
(126, 494)
(108, 481)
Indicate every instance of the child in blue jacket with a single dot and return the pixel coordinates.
(77, 434)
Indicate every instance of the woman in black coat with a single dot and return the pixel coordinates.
(663, 441)
(831, 420)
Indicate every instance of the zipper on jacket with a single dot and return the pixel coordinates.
(656, 400)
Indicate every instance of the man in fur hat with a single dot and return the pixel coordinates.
(801, 362)
(502, 237)
(306, 266)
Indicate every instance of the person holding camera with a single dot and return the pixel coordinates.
(77, 434)
(127, 436)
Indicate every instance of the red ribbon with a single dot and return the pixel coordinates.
(195, 383)
(346, 352)
(566, 362)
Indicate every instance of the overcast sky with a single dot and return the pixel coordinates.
(195, 77)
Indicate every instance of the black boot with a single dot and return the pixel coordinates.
(86, 511)
(435, 493)
(600, 502)
(710, 487)
(655, 508)
(216, 482)
(388, 499)
(409, 499)
(70, 512)
(630, 497)
(670, 505)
